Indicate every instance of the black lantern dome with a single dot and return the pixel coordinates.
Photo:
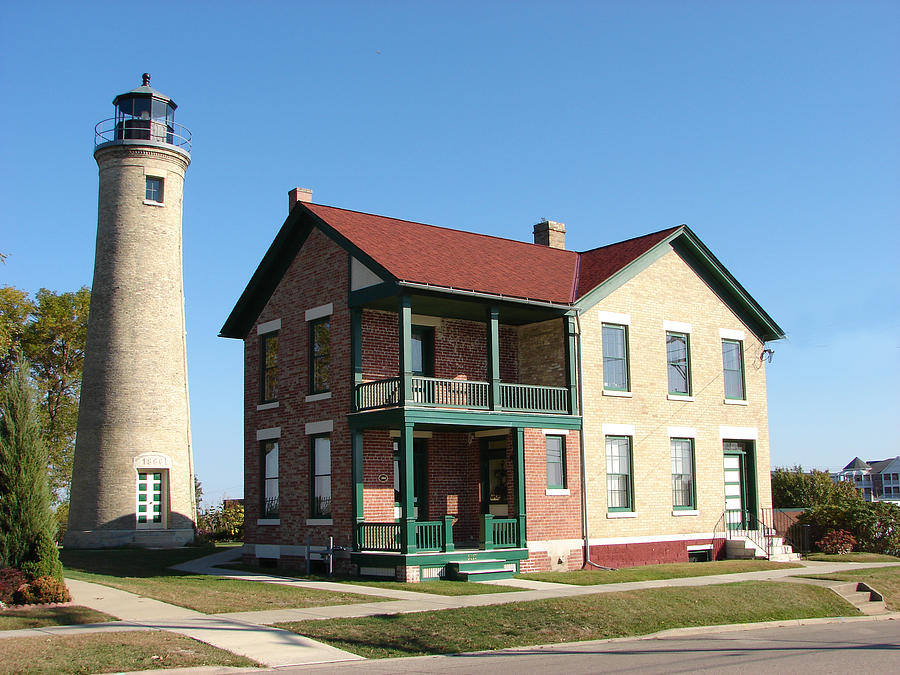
(144, 115)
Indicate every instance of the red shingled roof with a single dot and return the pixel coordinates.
(454, 259)
(598, 264)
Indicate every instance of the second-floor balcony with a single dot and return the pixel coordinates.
(463, 394)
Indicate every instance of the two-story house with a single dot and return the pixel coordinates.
(433, 400)
(878, 480)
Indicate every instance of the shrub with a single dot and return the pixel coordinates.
(45, 561)
(838, 542)
(42, 590)
(874, 525)
(221, 523)
(11, 580)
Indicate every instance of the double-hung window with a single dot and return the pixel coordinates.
(269, 486)
(678, 363)
(556, 462)
(682, 473)
(154, 190)
(615, 357)
(319, 355)
(619, 487)
(733, 369)
(268, 377)
(320, 475)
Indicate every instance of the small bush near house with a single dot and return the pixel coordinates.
(839, 542)
(11, 580)
(222, 523)
(41, 591)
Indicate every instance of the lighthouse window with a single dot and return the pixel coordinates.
(154, 190)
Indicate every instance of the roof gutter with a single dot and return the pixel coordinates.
(487, 296)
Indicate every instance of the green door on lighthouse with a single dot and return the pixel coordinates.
(150, 499)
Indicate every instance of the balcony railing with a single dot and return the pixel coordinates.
(469, 394)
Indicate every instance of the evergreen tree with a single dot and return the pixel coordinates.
(26, 521)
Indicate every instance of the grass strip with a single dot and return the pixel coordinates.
(434, 587)
(146, 573)
(119, 652)
(886, 580)
(591, 577)
(588, 617)
(856, 556)
(38, 617)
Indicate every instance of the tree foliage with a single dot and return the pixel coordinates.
(26, 521)
(793, 488)
(50, 331)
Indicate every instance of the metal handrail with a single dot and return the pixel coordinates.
(108, 131)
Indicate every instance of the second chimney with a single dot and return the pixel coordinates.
(550, 233)
(298, 195)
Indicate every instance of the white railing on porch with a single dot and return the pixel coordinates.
(469, 394)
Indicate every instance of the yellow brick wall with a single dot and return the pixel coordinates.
(669, 290)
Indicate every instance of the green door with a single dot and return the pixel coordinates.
(420, 480)
(740, 485)
(494, 478)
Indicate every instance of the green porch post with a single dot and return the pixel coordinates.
(448, 534)
(404, 317)
(518, 457)
(355, 353)
(357, 471)
(407, 516)
(571, 374)
(493, 349)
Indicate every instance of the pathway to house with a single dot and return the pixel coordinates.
(248, 634)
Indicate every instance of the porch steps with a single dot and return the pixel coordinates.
(742, 548)
(478, 570)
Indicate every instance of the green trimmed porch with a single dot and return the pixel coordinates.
(434, 565)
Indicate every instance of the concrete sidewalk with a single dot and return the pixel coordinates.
(248, 634)
(267, 645)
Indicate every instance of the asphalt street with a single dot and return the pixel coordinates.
(842, 647)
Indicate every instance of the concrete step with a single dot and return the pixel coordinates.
(785, 557)
(478, 570)
(862, 596)
(485, 575)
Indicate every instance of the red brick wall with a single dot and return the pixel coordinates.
(551, 516)
(317, 276)
(378, 459)
(650, 553)
(460, 349)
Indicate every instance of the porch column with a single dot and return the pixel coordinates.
(404, 317)
(356, 468)
(407, 516)
(493, 356)
(571, 372)
(355, 354)
(518, 459)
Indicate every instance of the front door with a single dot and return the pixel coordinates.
(420, 480)
(151, 499)
(494, 478)
(738, 497)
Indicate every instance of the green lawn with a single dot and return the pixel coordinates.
(589, 617)
(145, 573)
(433, 587)
(856, 556)
(37, 617)
(886, 580)
(111, 652)
(652, 572)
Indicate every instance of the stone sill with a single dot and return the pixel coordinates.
(268, 521)
(620, 394)
(557, 492)
(267, 406)
(320, 521)
(735, 401)
(685, 512)
(318, 397)
(679, 397)
(621, 514)
(152, 203)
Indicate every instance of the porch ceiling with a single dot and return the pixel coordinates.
(471, 309)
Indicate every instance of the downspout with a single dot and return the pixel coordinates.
(584, 501)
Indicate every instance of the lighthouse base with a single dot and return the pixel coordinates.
(172, 538)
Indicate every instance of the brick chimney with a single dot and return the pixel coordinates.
(298, 195)
(550, 233)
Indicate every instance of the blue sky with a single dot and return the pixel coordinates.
(768, 127)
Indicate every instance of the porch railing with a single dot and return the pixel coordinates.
(378, 394)
(499, 532)
(757, 527)
(450, 393)
(531, 397)
(378, 536)
(431, 535)
(470, 394)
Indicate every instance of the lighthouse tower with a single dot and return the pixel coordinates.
(133, 478)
